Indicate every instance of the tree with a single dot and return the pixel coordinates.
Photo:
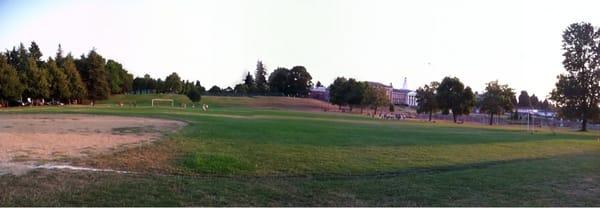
(214, 90)
(249, 80)
(524, 101)
(194, 95)
(319, 84)
(240, 89)
(59, 57)
(338, 92)
(173, 83)
(354, 93)
(97, 85)
(59, 84)
(76, 86)
(300, 82)
(260, 77)
(199, 87)
(10, 84)
(37, 86)
(426, 99)
(35, 52)
(535, 102)
(577, 92)
(497, 99)
(115, 80)
(451, 95)
(375, 97)
(278, 81)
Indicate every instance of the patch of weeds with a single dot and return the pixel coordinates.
(215, 164)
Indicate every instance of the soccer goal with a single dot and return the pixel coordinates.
(158, 101)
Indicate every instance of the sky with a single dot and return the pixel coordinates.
(217, 41)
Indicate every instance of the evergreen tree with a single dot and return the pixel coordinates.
(59, 57)
(10, 84)
(319, 84)
(524, 100)
(35, 52)
(77, 88)
(260, 78)
(59, 85)
(97, 85)
(38, 86)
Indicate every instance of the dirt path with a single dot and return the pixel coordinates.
(42, 137)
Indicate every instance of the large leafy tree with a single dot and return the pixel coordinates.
(354, 92)
(375, 97)
(59, 84)
(497, 99)
(451, 95)
(260, 78)
(577, 92)
(338, 92)
(215, 90)
(426, 99)
(116, 77)
(173, 83)
(278, 81)
(300, 81)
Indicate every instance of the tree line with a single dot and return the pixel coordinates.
(294, 82)
(24, 75)
(450, 96)
(171, 84)
(27, 78)
(361, 94)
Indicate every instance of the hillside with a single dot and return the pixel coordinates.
(267, 102)
(226, 101)
(144, 99)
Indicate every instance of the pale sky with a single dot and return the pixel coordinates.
(217, 42)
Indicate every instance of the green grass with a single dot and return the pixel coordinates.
(145, 99)
(236, 154)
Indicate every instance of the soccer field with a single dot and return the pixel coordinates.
(243, 155)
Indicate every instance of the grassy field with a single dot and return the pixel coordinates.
(243, 153)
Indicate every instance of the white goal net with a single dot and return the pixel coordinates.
(156, 102)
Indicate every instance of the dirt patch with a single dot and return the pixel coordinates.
(41, 137)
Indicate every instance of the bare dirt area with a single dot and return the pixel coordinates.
(27, 138)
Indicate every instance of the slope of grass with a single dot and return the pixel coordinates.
(254, 156)
(145, 99)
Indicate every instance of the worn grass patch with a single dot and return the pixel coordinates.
(215, 164)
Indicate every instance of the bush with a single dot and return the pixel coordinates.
(194, 95)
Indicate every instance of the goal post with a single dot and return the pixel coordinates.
(157, 101)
